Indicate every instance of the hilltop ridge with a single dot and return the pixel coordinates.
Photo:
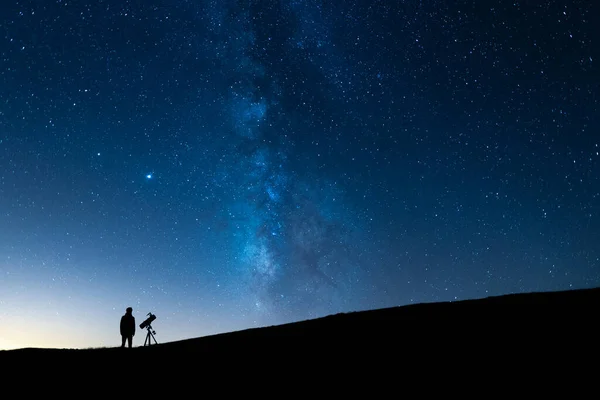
(543, 327)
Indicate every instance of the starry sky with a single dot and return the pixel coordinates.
(235, 164)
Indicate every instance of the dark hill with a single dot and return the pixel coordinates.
(527, 332)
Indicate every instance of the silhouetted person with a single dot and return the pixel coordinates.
(127, 327)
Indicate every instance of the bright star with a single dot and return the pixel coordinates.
(149, 176)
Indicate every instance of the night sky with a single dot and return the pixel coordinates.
(235, 164)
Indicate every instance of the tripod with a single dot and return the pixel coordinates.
(150, 334)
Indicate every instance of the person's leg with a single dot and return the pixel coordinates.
(123, 341)
(129, 340)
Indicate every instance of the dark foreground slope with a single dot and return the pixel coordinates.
(525, 331)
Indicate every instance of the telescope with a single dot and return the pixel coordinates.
(151, 332)
(148, 320)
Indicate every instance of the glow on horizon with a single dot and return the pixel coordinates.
(6, 344)
(79, 318)
(69, 332)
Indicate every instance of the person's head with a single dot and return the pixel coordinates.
(129, 310)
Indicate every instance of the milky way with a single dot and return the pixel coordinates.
(289, 243)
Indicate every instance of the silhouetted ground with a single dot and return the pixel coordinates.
(508, 338)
